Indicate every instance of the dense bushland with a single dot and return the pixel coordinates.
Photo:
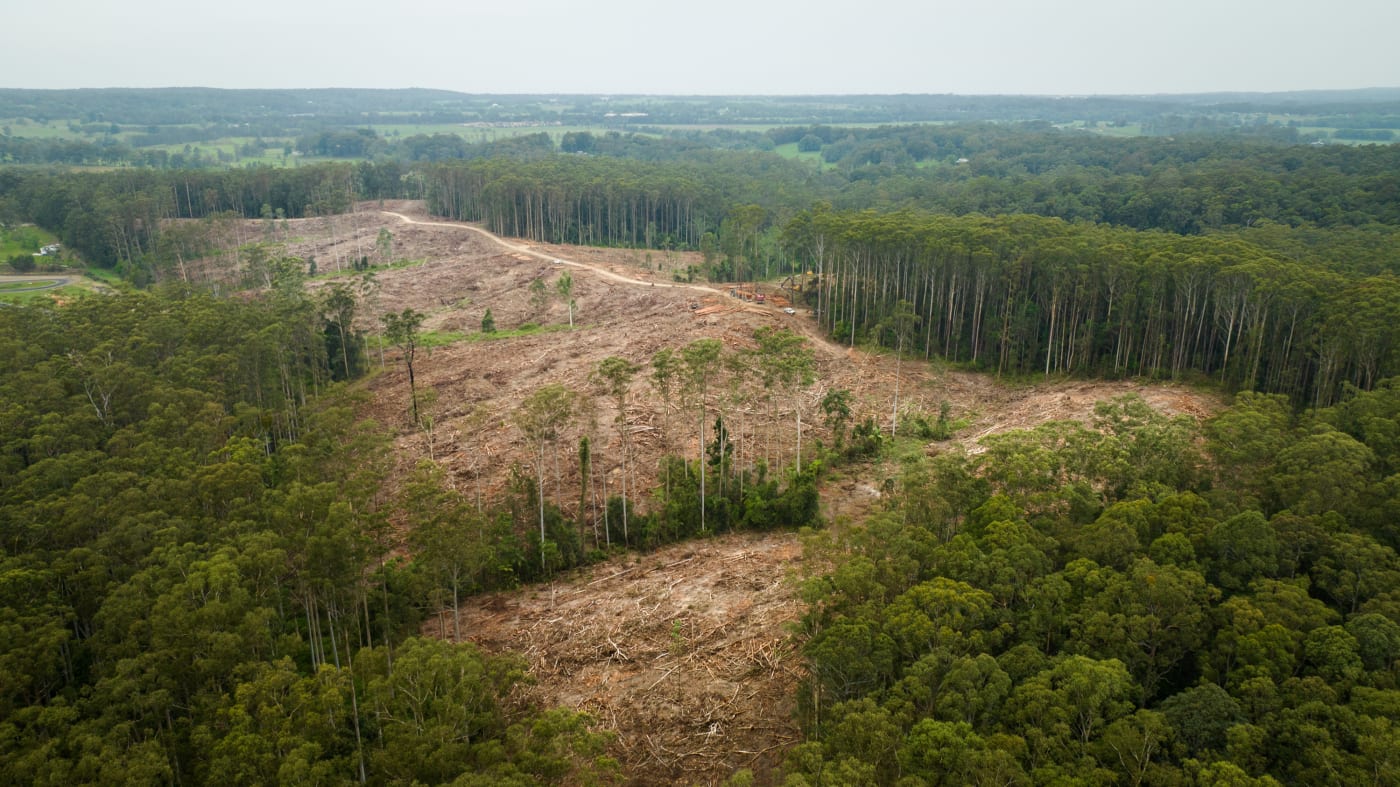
(1143, 602)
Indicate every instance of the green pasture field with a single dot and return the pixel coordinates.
(762, 127)
(478, 133)
(206, 148)
(1326, 132)
(226, 144)
(1129, 130)
(33, 129)
(790, 151)
(1103, 129)
(130, 130)
(410, 129)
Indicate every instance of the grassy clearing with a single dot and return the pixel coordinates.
(524, 329)
(32, 129)
(431, 339)
(790, 151)
(105, 276)
(1104, 129)
(23, 240)
(477, 134)
(1327, 133)
(410, 129)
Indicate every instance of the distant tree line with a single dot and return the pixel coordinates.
(1297, 240)
(606, 201)
(1028, 295)
(1188, 185)
(351, 106)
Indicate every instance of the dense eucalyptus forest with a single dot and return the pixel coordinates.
(197, 583)
(205, 579)
(1141, 602)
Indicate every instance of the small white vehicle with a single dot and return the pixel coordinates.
(789, 310)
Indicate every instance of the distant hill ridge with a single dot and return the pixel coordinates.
(170, 105)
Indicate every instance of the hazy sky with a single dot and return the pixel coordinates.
(707, 47)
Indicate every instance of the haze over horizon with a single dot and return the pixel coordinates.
(728, 48)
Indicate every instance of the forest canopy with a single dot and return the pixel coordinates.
(195, 583)
(1145, 601)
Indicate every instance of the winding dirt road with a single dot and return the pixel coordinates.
(806, 327)
(604, 272)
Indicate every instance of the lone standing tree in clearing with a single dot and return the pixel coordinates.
(402, 331)
(564, 285)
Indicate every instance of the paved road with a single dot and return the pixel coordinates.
(40, 282)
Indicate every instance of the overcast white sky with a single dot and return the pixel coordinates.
(707, 47)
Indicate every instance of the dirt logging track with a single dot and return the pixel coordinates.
(684, 652)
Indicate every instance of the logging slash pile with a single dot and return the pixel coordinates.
(683, 652)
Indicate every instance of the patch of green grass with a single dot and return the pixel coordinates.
(105, 275)
(53, 129)
(789, 150)
(62, 293)
(904, 448)
(1130, 130)
(526, 329)
(23, 240)
(410, 129)
(1328, 132)
(431, 339)
(477, 134)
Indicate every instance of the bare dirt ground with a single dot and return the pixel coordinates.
(682, 652)
(626, 304)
